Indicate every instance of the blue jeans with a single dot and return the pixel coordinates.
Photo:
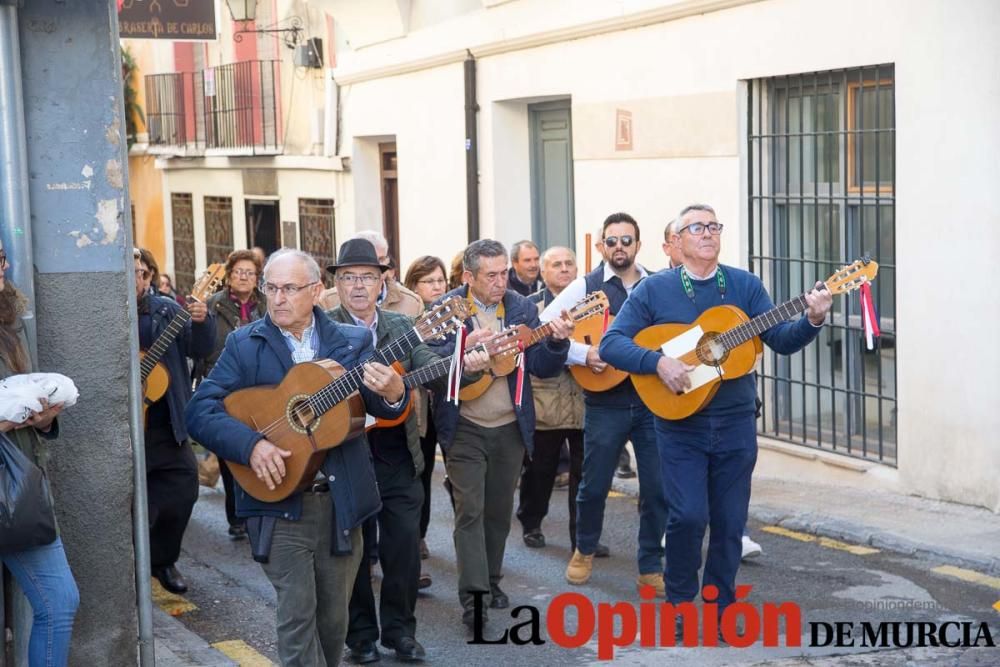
(44, 576)
(606, 429)
(707, 465)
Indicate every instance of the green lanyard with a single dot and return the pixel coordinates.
(720, 279)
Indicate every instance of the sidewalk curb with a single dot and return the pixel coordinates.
(855, 532)
(176, 646)
(849, 531)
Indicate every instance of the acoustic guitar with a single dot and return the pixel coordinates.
(503, 355)
(317, 405)
(590, 332)
(723, 344)
(152, 372)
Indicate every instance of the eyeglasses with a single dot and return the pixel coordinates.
(244, 273)
(432, 281)
(3, 259)
(698, 228)
(142, 274)
(270, 289)
(612, 241)
(367, 279)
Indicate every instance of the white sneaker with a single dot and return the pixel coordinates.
(750, 548)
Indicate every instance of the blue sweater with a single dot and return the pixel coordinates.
(661, 299)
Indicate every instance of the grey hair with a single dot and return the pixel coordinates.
(545, 255)
(515, 250)
(315, 275)
(694, 207)
(373, 237)
(479, 249)
(670, 229)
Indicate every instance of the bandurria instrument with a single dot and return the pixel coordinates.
(590, 332)
(317, 405)
(723, 344)
(503, 355)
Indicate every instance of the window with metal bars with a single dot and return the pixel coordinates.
(821, 183)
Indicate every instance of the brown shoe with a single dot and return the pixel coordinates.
(655, 580)
(579, 568)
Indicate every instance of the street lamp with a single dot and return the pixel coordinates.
(244, 11)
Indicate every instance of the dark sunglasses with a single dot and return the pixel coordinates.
(612, 241)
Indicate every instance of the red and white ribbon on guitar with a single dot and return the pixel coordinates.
(869, 318)
(519, 391)
(455, 370)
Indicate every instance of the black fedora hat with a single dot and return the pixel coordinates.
(357, 252)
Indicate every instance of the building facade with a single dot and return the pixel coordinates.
(821, 132)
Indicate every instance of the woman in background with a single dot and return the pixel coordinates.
(426, 277)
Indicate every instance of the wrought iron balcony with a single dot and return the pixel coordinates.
(232, 109)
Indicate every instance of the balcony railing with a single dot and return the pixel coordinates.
(228, 110)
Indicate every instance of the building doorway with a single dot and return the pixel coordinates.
(263, 224)
(551, 137)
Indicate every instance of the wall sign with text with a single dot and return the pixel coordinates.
(167, 19)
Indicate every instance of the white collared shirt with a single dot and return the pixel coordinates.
(572, 295)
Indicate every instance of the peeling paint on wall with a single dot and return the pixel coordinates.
(111, 132)
(113, 172)
(87, 171)
(107, 215)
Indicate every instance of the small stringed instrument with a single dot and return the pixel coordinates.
(590, 332)
(152, 372)
(317, 405)
(504, 361)
(723, 344)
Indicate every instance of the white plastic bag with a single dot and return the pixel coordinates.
(20, 395)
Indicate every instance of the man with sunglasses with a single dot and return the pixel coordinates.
(171, 469)
(614, 417)
(707, 459)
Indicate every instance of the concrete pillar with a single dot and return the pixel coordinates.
(84, 294)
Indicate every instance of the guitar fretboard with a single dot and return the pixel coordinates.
(349, 382)
(758, 325)
(162, 343)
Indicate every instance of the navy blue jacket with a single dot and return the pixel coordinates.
(544, 360)
(196, 341)
(661, 298)
(257, 354)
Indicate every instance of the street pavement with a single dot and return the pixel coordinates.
(231, 605)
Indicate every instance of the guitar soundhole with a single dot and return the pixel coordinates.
(300, 415)
(711, 351)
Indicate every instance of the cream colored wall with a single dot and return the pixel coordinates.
(681, 80)
(424, 113)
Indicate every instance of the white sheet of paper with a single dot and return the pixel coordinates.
(681, 345)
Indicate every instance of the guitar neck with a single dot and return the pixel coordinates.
(350, 382)
(162, 343)
(432, 371)
(758, 325)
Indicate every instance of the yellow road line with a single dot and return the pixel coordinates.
(173, 604)
(968, 575)
(855, 549)
(242, 653)
(996, 605)
(615, 494)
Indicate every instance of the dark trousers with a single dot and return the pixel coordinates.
(706, 465)
(227, 485)
(172, 490)
(539, 475)
(606, 429)
(399, 554)
(428, 444)
(483, 465)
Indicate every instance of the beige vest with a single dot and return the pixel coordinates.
(494, 408)
(558, 400)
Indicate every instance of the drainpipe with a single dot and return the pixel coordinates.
(471, 149)
(15, 208)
